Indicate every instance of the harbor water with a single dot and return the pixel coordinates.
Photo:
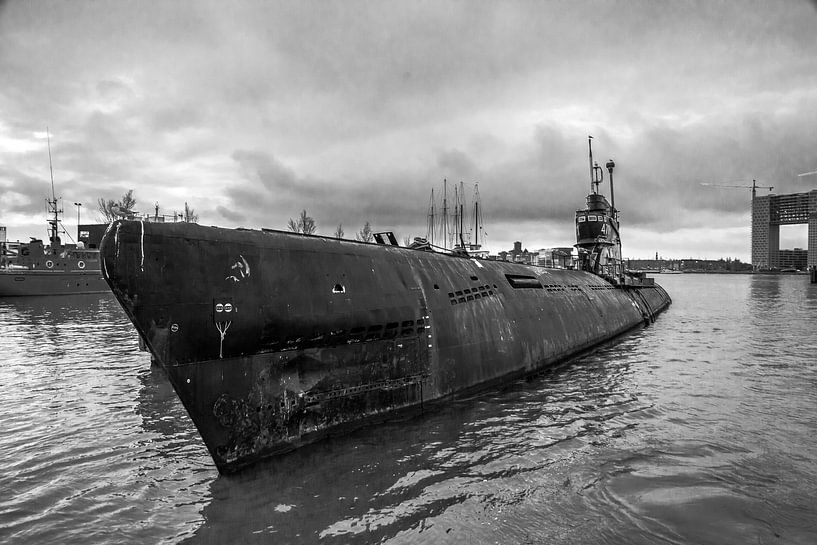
(699, 428)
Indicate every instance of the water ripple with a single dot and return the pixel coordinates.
(697, 429)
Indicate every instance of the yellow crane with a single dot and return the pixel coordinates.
(753, 187)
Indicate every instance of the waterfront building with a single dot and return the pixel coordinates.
(769, 212)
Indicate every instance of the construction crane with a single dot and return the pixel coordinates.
(753, 187)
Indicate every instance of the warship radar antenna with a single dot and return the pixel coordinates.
(610, 166)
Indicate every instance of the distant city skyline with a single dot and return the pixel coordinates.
(251, 112)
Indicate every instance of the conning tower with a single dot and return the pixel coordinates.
(597, 235)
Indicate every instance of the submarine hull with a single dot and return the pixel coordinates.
(272, 339)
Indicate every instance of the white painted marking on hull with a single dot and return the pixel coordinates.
(142, 245)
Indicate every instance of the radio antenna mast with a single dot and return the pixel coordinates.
(50, 166)
(52, 203)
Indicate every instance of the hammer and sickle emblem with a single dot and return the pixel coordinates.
(242, 269)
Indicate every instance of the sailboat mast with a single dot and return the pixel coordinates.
(461, 200)
(456, 223)
(431, 224)
(476, 224)
(477, 218)
(445, 212)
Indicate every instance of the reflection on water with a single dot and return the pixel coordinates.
(81, 462)
(697, 429)
(449, 473)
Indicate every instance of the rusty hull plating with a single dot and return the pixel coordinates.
(273, 339)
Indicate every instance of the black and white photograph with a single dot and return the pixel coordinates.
(408, 272)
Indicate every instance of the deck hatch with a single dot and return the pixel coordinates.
(521, 281)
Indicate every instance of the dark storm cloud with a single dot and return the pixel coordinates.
(457, 163)
(266, 189)
(26, 194)
(547, 179)
(544, 181)
(668, 165)
(270, 192)
(264, 168)
(230, 215)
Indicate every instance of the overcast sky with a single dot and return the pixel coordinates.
(354, 110)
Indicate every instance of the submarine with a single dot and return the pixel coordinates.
(273, 340)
